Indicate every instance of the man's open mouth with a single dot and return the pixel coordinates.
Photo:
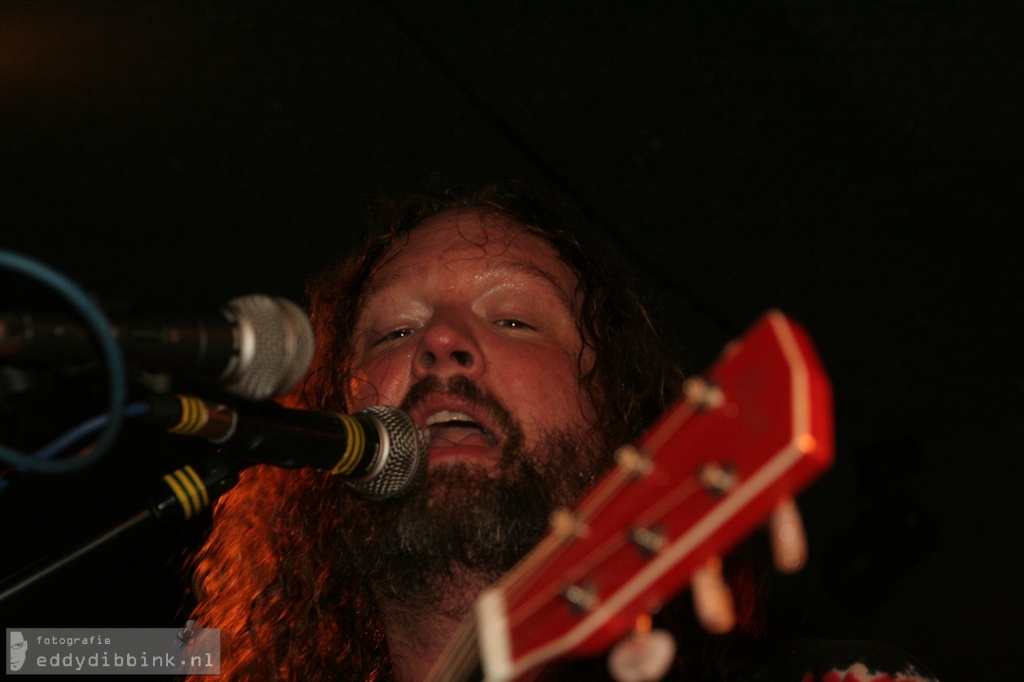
(451, 427)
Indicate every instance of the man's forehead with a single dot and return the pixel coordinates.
(494, 242)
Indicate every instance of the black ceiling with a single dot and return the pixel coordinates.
(858, 167)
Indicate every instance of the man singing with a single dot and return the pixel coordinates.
(481, 315)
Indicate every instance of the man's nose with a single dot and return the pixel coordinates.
(448, 346)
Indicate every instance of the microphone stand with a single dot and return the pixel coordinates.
(185, 492)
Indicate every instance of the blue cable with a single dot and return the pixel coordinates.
(55, 447)
(111, 352)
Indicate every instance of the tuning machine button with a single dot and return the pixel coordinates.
(788, 540)
(712, 599)
(645, 656)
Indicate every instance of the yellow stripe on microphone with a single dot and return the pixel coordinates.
(188, 487)
(355, 441)
(193, 416)
(197, 485)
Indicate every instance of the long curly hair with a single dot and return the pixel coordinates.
(268, 575)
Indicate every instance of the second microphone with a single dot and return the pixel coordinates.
(379, 450)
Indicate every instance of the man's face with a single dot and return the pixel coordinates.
(471, 294)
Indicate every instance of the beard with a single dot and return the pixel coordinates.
(467, 520)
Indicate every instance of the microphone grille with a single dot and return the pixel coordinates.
(275, 346)
(404, 449)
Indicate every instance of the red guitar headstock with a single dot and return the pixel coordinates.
(755, 430)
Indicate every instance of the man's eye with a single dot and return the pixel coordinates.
(396, 334)
(513, 324)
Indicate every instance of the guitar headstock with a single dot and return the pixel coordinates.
(753, 431)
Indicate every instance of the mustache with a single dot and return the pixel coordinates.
(463, 387)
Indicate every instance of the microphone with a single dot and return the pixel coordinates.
(379, 450)
(256, 346)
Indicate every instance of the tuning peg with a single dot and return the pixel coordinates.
(565, 524)
(712, 599)
(633, 462)
(644, 656)
(789, 542)
(702, 394)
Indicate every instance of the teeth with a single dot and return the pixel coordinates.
(448, 416)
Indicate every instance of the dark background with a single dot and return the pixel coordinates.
(857, 166)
